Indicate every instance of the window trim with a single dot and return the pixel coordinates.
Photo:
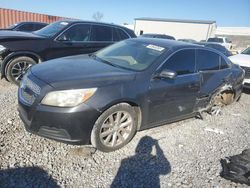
(91, 24)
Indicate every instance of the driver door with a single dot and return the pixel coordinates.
(75, 40)
(173, 98)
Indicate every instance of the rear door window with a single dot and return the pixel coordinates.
(223, 63)
(182, 62)
(207, 60)
(37, 27)
(119, 34)
(101, 33)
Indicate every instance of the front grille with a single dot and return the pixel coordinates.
(247, 71)
(29, 90)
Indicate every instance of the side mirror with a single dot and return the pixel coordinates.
(166, 73)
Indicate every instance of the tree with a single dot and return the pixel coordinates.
(97, 16)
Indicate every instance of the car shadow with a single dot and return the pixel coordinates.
(143, 169)
(26, 177)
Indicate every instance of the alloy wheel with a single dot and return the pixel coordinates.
(116, 129)
(19, 69)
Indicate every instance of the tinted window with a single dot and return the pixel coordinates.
(123, 35)
(38, 26)
(101, 33)
(219, 40)
(77, 33)
(223, 63)
(182, 62)
(207, 60)
(119, 34)
(25, 27)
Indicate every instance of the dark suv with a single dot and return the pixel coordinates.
(20, 50)
(26, 26)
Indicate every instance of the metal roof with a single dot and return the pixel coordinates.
(176, 20)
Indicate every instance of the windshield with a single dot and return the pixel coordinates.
(12, 26)
(246, 51)
(52, 29)
(135, 55)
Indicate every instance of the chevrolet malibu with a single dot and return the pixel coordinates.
(136, 84)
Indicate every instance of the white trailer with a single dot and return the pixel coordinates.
(180, 29)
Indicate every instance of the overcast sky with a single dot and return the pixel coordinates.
(225, 12)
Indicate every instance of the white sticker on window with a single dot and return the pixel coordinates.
(154, 47)
(64, 23)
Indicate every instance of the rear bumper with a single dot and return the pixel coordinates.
(68, 125)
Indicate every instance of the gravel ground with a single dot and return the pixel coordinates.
(182, 154)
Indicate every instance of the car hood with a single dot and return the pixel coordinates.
(241, 59)
(12, 35)
(79, 71)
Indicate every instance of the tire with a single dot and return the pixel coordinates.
(17, 67)
(105, 125)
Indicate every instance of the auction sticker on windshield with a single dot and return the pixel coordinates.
(154, 47)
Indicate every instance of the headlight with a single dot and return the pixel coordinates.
(2, 48)
(68, 98)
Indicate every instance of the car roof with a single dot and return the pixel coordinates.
(72, 21)
(170, 44)
(32, 23)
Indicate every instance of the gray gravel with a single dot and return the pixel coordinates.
(188, 153)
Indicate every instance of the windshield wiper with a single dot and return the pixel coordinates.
(105, 61)
(92, 55)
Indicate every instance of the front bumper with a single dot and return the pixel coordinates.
(69, 125)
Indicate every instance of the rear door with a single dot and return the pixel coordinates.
(173, 98)
(74, 40)
(213, 69)
(101, 36)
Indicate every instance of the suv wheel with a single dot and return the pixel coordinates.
(17, 68)
(114, 128)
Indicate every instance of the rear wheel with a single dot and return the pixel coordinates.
(114, 128)
(17, 68)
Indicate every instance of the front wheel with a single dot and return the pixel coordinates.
(114, 128)
(17, 68)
